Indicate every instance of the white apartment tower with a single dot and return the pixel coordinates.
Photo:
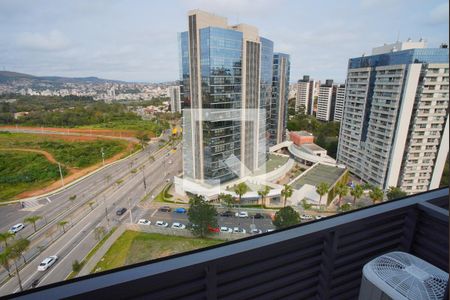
(306, 93)
(325, 101)
(339, 103)
(394, 129)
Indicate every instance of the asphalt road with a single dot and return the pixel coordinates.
(109, 196)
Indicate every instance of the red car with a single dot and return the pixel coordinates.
(213, 229)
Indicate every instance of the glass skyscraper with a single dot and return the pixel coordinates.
(226, 77)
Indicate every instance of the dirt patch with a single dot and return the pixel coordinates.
(74, 173)
(106, 132)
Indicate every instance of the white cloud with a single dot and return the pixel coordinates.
(235, 8)
(52, 41)
(439, 14)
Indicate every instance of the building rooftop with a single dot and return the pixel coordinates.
(313, 147)
(303, 133)
(273, 162)
(319, 173)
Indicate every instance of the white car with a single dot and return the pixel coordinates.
(144, 222)
(306, 217)
(270, 230)
(239, 230)
(242, 214)
(226, 229)
(47, 263)
(319, 217)
(178, 226)
(162, 224)
(16, 228)
(256, 231)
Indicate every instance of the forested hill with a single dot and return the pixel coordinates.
(10, 77)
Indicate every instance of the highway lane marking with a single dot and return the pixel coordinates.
(68, 254)
(57, 253)
(48, 199)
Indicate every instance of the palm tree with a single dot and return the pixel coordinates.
(4, 261)
(227, 200)
(32, 220)
(357, 192)
(322, 189)
(4, 236)
(286, 192)
(16, 251)
(341, 190)
(376, 194)
(263, 194)
(63, 223)
(240, 190)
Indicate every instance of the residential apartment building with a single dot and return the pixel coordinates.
(325, 101)
(339, 103)
(394, 129)
(226, 74)
(175, 99)
(307, 92)
(277, 120)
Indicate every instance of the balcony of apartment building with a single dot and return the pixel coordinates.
(321, 259)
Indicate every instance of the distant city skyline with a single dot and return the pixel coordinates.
(137, 40)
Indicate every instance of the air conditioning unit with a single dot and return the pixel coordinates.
(402, 276)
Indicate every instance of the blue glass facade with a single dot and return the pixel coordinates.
(183, 47)
(279, 101)
(404, 57)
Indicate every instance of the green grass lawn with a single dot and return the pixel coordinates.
(73, 154)
(22, 171)
(134, 247)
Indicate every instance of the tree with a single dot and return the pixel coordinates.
(263, 194)
(202, 216)
(345, 207)
(142, 137)
(241, 189)
(322, 189)
(99, 233)
(306, 205)
(286, 217)
(227, 200)
(395, 192)
(62, 224)
(341, 190)
(76, 266)
(357, 193)
(286, 192)
(4, 236)
(16, 251)
(376, 194)
(32, 220)
(4, 260)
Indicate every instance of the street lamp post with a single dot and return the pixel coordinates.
(60, 174)
(103, 156)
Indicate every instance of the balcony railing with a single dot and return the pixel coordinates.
(316, 260)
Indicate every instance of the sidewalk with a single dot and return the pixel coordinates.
(90, 265)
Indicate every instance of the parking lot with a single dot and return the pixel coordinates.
(245, 223)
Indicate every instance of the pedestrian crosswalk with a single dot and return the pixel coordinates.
(30, 205)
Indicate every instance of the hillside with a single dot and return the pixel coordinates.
(7, 77)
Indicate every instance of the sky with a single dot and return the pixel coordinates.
(134, 40)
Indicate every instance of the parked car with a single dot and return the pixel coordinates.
(270, 230)
(180, 210)
(226, 214)
(177, 225)
(47, 263)
(35, 283)
(319, 217)
(241, 214)
(258, 216)
(213, 229)
(165, 209)
(144, 222)
(256, 231)
(306, 217)
(162, 224)
(239, 230)
(226, 229)
(16, 228)
(121, 211)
